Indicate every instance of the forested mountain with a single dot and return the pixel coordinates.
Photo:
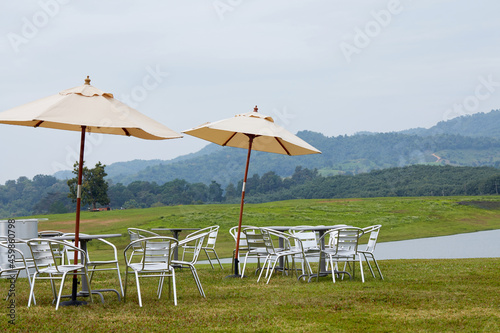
(464, 141)
(340, 155)
(476, 125)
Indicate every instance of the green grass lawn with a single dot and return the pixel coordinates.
(416, 295)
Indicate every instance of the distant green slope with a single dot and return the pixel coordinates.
(465, 141)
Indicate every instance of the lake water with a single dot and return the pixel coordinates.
(481, 244)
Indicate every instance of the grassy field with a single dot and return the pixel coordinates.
(416, 295)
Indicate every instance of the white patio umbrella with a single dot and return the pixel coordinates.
(86, 109)
(252, 131)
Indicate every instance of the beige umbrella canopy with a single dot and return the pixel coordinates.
(252, 131)
(267, 136)
(86, 109)
(87, 106)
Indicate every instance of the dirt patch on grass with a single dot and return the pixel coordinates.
(340, 200)
(91, 222)
(481, 204)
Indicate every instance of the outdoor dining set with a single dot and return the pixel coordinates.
(307, 252)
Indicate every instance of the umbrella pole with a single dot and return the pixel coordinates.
(74, 288)
(242, 204)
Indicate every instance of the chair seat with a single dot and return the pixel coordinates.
(60, 269)
(153, 267)
(105, 262)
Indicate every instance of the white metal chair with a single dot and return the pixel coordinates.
(283, 249)
(16, 262)
(209, 245)
(344, 249)
(196, 243)
(48, 268)
(370, 247)
(255, 247)
(309, 242)
(243, 247)
(97, 265)
(155, 261)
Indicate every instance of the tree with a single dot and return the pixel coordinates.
(214, 192)
(230, 192)
(94, 187)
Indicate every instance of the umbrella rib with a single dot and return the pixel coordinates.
(126, 132)
(39, 123)
(282, 146)
(227, 141)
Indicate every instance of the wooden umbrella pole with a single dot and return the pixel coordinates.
(242, 204)
(77, 220)
(79, 192)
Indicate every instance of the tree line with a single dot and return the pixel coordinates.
(47, 195)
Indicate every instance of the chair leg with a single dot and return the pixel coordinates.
(119, 277)
(263, 268)
(197, 280)
(369, 265)
(209, 260)
(174, 287)
(138, 289)
(60, 290)
(333, 269)
(361, 269)
(216, 257)
(272, 270)
(376, 264)
(32, 296)
(125, 288)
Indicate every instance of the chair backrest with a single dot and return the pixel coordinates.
(68, 253)
(255, 239)
(308, 238)
(346, 240)
(243, 240)
(135, 233)
(278, 241)
(45, 252)
(212, 238)
(157, 249)
(196, 242)
(372, 241)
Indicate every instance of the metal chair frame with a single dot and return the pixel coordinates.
(46, 263)
(155, 262)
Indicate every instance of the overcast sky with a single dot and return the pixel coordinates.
(335, 67)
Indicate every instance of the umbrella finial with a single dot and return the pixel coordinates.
(87, 80)
(255, 109)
